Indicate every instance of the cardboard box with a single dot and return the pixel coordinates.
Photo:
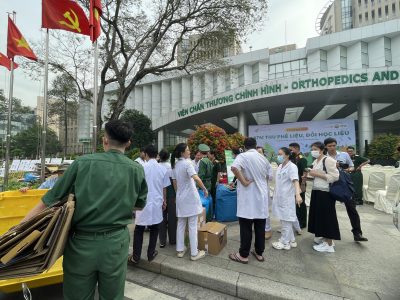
(212, 237)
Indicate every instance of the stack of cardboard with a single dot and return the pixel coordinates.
(34, 246)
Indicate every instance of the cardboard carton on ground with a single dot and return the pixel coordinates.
(212, 237)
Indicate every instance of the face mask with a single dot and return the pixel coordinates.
(280, 159)
(315, 153)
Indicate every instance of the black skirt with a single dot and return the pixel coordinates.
(322, 219)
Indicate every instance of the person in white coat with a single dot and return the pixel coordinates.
(286, 195)
(252, 171)
(188, 204)
(157, 178)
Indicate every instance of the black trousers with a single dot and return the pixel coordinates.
(169, 223)
(353, 216)
(301, 212)
(246, 236)
(138, 240)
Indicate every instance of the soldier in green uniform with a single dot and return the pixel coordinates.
(356, 175)
(107, 187)
(301, 163)
(205, 172)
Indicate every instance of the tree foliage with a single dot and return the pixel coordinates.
(26, 143)
(216, 138)
(17, 108)
(383, 147)
(141, 124)
(142, 38)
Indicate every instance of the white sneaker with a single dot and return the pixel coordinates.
(200, 254)
(293, 244)
(324, 247)
(318, 240)
(181, 254)
(281, 246)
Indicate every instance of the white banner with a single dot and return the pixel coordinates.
(273, 137)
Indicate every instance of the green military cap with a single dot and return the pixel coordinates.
(204, 148)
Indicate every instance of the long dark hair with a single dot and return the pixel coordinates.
(177, 153)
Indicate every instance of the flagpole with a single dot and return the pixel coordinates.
(44, 121)
(8, 137)
(95, 94)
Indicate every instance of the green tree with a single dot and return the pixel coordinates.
(382, 150)
(17, 108)
(65, 104)
(141, 124)
(26, 143)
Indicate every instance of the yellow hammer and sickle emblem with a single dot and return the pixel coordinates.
(22, 43)
(73, 23)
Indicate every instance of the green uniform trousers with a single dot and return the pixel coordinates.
(92, 259)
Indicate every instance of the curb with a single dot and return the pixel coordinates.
(229, 282)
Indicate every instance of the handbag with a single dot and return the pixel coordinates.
(342, 189)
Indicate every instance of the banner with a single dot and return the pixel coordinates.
(229, 161)
(273, 137)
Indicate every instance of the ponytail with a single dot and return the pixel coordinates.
(177, 153)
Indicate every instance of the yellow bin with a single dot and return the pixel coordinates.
(14, 205)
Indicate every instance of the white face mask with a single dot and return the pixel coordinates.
(315, 153)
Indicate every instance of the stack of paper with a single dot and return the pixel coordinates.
(34, 246)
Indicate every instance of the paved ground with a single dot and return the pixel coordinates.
(368, 270)
(140, 285)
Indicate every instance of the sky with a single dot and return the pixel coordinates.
(287, 22)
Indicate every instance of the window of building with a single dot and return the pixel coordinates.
(255, 73)
(343, 58)
(286, 69)
(360, 18)
(366, 2)
(380, 12)
(241, 76)
(366, 16)
(372, 2)
(386, 10)
(347, 14)
(388, 52)
(215, 83)
(393, 8)
(323, 60)
(359, 2)
(271, 71)
(228, 80)
(364, 55)
(279, 70)
(373, 14)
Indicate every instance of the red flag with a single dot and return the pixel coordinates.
(65, 15)
(16, 43)
(95, 13)
(6, 62)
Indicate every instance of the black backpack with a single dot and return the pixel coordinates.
(343, 189)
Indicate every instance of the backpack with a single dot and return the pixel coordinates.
(343, 189)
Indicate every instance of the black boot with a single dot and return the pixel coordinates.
(359, 238)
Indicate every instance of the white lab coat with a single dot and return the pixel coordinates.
(140, 161)
(157, 178)
(187, 197)
(284, 203)
(252, 201)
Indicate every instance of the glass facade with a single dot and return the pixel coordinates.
(347, 14)
(286, 69)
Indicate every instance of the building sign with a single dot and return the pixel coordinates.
(273, 137)
(301, 84)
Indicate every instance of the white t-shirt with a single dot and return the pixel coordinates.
(252, 201)
(157, 178)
